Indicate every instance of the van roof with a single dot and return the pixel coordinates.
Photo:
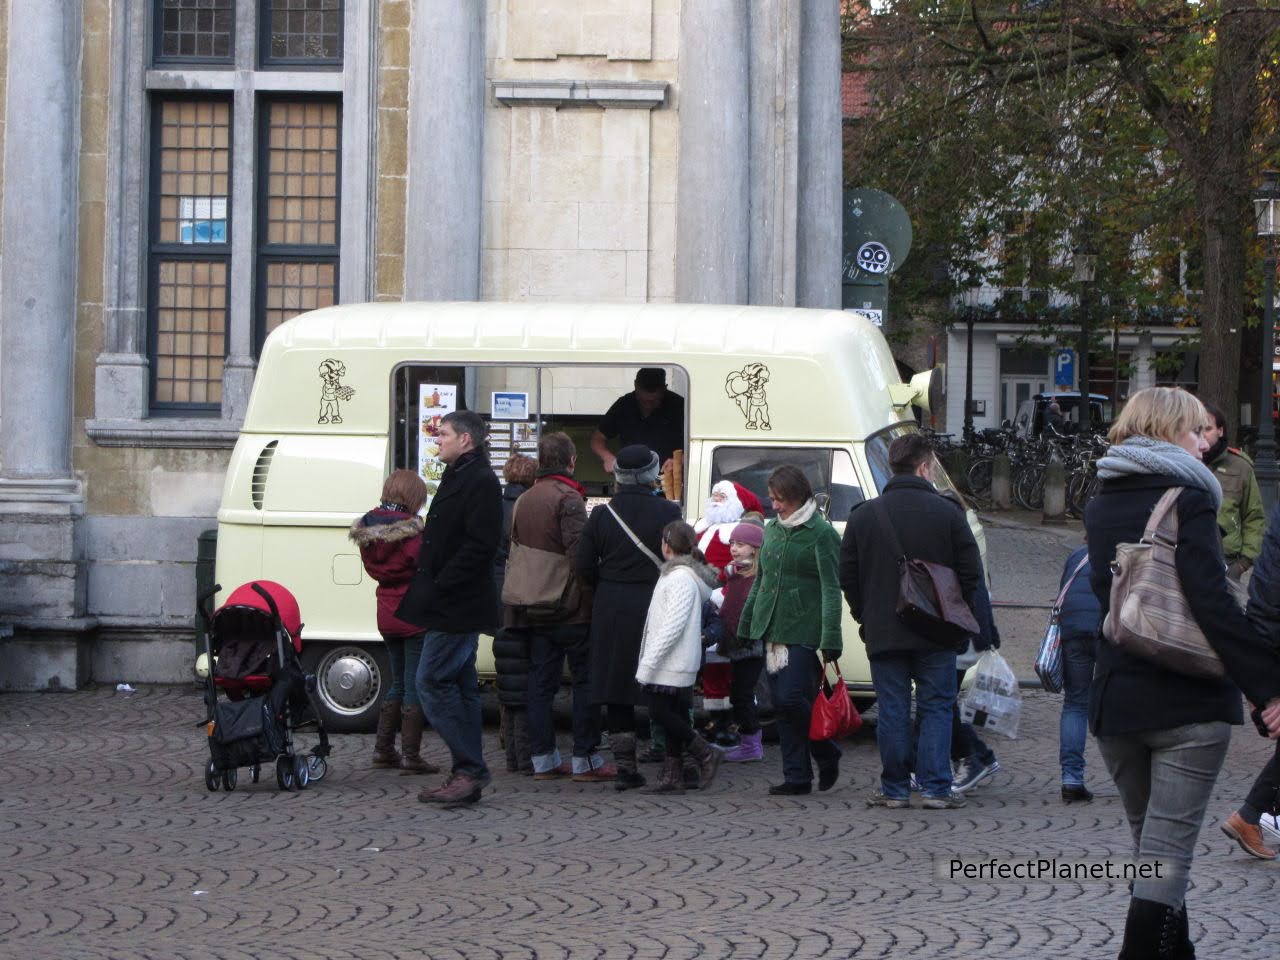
(828, 370)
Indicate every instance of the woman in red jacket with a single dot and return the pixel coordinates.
(389, 538)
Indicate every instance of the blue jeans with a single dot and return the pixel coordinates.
(1077, 673)
(549, 646)
(404, 653)
(450, 694)
(794, 689)
(1165, 779)
(934, 674)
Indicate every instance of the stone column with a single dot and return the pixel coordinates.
(41, 580)
(774, 91)
(712, 190)
(446, 124)
(818, 219)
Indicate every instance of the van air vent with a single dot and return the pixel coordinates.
(258, 488)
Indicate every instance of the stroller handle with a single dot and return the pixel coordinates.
(202, 605)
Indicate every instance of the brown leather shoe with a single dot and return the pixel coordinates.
(1248, 835)
(605, 773)
(460, 788)
(427, 794)
(562, 772)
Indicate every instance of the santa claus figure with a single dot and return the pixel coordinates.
(725, 507)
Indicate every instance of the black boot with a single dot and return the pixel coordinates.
(708, 758)
(1155, 931)
(624, 755)
(671, 780)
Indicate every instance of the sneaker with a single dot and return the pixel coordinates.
(1248, 835)
(972, 773)
(878, 799)
(1076, 793)
(1270, 824)
(952, 801)
(605, 773)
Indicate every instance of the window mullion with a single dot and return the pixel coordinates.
(243, 226)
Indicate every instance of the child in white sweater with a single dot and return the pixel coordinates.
(671, 653)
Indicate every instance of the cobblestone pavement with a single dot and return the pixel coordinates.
(112, 848)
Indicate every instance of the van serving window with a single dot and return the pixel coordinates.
(830, 471)
(519, 404)
(877, 451)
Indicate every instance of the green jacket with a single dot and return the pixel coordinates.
(795, 598)
(1241, 517)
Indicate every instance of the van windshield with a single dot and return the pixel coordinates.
(877, 450)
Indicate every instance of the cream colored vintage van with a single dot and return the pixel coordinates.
(346, 394)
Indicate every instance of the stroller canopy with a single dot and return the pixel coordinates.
(246, 597)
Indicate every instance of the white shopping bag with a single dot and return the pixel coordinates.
(993, 700)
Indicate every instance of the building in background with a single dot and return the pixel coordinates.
(180, 177)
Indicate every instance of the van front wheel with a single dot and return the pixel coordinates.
(350, 682)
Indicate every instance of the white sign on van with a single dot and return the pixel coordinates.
(874, 316)
(435, 402)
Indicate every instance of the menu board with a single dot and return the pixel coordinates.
(512, 436)
(435, 402)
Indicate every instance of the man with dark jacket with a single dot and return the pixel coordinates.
(550, 517)
(928, 527)
(453, 597)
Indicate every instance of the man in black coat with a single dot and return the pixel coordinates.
(928, 527)
(453, 597)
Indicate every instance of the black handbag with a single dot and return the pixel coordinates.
(930, 600)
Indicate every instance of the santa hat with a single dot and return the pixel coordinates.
(750, 502)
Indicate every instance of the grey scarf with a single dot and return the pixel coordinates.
(1145, 456)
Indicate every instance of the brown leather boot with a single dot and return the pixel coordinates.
(708, 758)
(384, 747)
(671, 780)
(411, 743)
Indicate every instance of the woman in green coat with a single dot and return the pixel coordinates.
(794, 607)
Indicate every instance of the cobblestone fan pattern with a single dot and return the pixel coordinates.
(112, 848)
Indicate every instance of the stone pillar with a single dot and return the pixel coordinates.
(819, 239)
(446, 124)
(41, 580)
(774, 96)
(712, 190)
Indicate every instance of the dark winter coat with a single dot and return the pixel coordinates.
(1080, 615)
(510, 493)
(389, 541)
(623, 579)
(929, 527)
(453, 589)
(1129, 694)
(1264, 586)
(551, 517)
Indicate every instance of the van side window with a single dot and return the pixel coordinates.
(830, 471)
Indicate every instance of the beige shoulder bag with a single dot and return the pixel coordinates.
(1149, 616)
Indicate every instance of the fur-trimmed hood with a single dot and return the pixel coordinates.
(384, 527)
(701, 570)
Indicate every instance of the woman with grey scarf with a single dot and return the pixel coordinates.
(1164, 734)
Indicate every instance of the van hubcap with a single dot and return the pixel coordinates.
(349, 680)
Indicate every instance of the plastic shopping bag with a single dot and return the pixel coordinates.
(993, 701)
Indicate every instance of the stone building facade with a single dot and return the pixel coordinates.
(181, 176)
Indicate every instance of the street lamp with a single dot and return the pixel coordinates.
(970, 300)
(1084, 262)
(1266, 205)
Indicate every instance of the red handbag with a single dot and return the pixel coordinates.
(834, 715)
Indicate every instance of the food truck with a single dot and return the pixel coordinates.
(346, 394)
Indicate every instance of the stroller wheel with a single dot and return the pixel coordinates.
(211, 776)
(255, 772)
(284, 773)
(301, 775)
(317, 767)
(229, 778)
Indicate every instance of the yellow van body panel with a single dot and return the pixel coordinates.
(286, 511)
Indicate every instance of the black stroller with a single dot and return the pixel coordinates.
(252, 644)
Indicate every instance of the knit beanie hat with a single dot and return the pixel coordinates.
(636, 464)
(749, 533)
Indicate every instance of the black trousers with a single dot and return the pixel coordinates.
(742, 694)
(1265, 794)
(670, 711)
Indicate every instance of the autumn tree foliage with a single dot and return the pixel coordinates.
(1139, 126)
